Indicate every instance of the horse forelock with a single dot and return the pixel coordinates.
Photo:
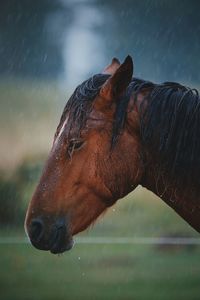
(79, 104)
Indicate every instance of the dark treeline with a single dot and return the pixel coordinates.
(163, 36)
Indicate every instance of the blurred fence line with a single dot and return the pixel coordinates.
(117, 240)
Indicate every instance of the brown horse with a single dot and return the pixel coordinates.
(115, 133)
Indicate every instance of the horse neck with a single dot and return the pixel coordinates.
(184, 199)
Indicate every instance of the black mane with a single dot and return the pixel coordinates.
(170, 124)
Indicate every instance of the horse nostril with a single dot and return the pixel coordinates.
(52, 235)
(36, 230)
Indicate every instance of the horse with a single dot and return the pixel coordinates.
(117, 132)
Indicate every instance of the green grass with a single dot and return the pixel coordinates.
(99, 272)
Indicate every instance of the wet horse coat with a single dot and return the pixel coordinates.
(115, 133)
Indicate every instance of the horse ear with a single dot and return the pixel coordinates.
(115, 86)
(112, 68)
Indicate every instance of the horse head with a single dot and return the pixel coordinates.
(94, 160)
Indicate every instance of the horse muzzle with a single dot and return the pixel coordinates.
(54, 238)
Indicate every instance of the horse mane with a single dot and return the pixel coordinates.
(170, 123)
(170, 126)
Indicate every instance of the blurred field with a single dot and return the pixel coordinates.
(28, 119)
(29, 114)
(99, 272)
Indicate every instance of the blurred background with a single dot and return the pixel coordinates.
(46, 49)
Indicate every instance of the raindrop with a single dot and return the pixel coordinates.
(45, 58)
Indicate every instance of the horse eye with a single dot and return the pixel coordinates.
(77, 144)
(74, 145)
